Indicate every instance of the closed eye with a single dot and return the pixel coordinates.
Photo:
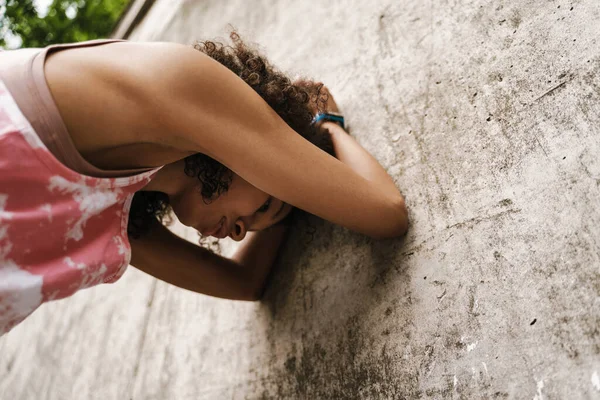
(265, 207)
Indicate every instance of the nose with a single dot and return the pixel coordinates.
(239, 230)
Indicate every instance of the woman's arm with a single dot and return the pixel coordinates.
(258, 251)
(348, 151)
(208, 109)
(174, 260)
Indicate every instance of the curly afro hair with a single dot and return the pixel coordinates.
(295, 102)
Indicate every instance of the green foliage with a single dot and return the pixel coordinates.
(65, 21)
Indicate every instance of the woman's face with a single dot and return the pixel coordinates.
(243, 208)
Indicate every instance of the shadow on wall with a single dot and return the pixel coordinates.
(350, 339)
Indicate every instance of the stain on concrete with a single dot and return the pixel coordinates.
(345, 368)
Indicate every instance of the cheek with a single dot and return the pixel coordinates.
(189, 210)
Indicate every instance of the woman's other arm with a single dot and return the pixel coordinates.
(174, 260)
(208, 109)
(348, 151)
(258, 252)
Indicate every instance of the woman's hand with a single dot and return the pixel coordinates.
(331, 105)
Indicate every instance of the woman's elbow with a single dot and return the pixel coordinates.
(403, 222)
(255, 293)
(398, 222)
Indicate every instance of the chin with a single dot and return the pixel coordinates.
(185, 219)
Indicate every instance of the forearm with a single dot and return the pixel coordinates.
(351, 153)
(258, 251)
(174, 260)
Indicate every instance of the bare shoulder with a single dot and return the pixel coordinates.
(167, 79)
(136, 66)
(161, 62)
(166, 57)
(117, 98)
(199, 99)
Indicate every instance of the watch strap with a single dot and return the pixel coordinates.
(329, 116)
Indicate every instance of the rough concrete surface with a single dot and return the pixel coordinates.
(487, 115)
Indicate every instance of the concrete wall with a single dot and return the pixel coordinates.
(487, 116)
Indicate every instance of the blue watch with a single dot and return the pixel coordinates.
(329, 116)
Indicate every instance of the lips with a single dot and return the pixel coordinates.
(222, 233)
(217, 231)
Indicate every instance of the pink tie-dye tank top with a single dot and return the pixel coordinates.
(60, 231)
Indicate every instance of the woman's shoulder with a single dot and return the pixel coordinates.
(159, 56)
(116, 100)
(150, 70)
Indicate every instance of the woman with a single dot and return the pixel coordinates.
(213, 132)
